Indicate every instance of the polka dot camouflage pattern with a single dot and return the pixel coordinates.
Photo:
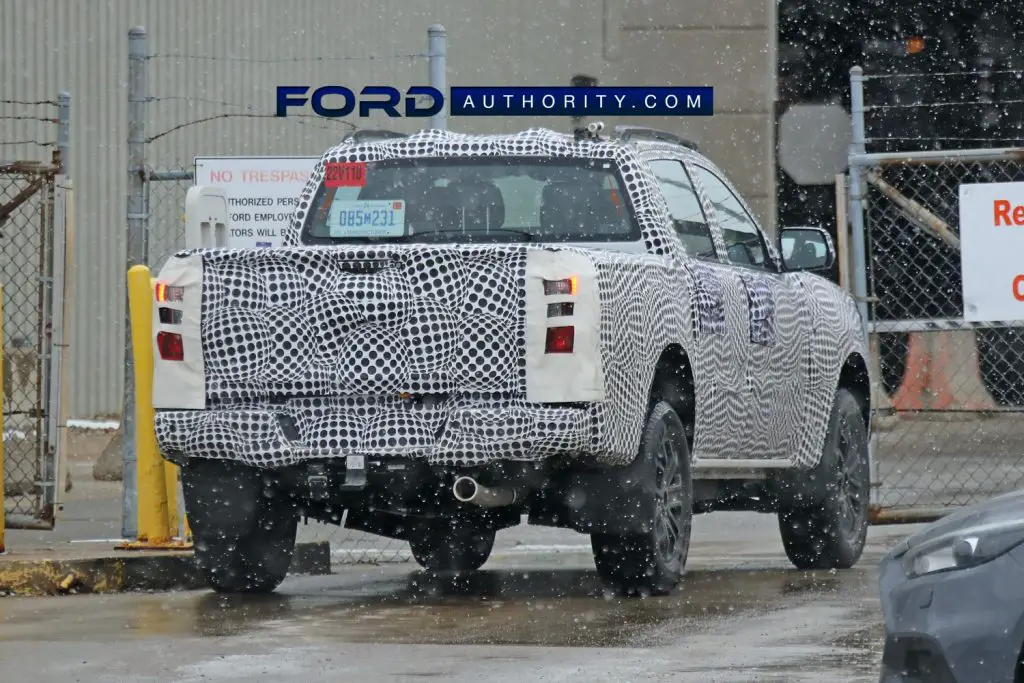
(313, 351)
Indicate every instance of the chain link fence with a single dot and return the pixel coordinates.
(165, 203)
(163, 145)
(950, 419)
(27, 243)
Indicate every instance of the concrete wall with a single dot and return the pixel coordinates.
(216, 57)
(727, 44)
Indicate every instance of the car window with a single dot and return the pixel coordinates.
(743, 241)
(684, 208)
(491, 199)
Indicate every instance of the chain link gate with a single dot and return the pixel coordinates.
(27, 210)
(949, 425)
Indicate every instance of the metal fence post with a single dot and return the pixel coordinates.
(3, 503)
(437, 49)
(860, 261)
(856, 218)
(136, 255)
(64, 131)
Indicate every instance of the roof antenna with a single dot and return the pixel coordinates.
(580, 81)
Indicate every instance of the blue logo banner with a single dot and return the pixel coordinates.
(569, 101)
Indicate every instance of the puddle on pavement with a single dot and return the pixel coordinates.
(549, 608)
(498, 607)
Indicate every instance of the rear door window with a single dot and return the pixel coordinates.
(684, 208)
(744, 242)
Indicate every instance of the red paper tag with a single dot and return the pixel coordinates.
(345, 174)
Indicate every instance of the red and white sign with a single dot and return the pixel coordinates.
(992, 251)
(262, 193)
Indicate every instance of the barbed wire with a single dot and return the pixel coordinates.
(28, 142)
(923, 105)
(944, 74)
(29, 118)
(207, 119)
(255, 60)
(943, 139)
(30, 103)
(204, 100)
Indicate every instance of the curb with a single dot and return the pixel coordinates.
(130, 571)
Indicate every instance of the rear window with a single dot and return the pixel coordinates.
(497, 199)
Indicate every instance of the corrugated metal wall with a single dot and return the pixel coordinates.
(217, 57)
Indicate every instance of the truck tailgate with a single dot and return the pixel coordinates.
(331, 321)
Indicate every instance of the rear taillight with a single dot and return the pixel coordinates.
(560, 287)
(168, 293)
(170, 316)
(170, 346)
(561, 309)
(560, 339)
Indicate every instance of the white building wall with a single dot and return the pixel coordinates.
(217, 57)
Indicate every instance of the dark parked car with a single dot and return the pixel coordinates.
(953, 598)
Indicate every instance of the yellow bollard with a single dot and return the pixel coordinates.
(157, 478)
(171, 482)
(152, 489)
(3, 512)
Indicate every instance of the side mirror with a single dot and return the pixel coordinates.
(807, 249)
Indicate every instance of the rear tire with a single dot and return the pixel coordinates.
(830, 532)
(254, 561)
(451, 546)
(652, 563)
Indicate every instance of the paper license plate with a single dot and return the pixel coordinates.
(367, 218)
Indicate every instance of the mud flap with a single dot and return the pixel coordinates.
(221, 498)
(606, 501)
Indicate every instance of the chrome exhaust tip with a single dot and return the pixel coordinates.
(469, 490)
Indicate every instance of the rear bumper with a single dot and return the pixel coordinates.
(457, 432)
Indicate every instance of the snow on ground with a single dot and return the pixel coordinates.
(93, 425)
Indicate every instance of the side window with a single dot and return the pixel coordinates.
(684, 208)
(743, 241)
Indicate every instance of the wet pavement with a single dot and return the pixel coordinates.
(742, 614)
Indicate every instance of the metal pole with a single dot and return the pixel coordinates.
(63, 131)
(3, 503)
(136, 255)
(437, 49)
(860, 264)
(860, 260)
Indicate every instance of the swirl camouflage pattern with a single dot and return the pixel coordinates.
(313, 352)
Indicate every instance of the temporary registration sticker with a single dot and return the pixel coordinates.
(345, 174)
(367, 218)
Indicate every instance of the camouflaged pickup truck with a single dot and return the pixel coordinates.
(460, 331)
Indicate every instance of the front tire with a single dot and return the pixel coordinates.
(652, 563)
(451, 546)
(829, 531)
